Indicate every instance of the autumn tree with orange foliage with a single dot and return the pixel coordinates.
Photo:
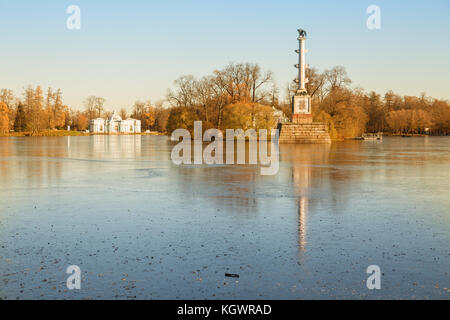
(227, 97)
(4, 118)
(55, 112)
(80, 121)
(350, 112)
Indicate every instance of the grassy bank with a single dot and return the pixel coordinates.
(65, 133)
(47, 133)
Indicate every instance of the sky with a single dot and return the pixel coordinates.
(135, 49)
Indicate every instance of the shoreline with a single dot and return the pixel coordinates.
(64, 133)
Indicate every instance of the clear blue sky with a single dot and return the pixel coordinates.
(135, 49)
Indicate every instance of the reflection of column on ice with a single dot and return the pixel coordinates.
(116, 147)
(302, 181)
(302, 222)
(304, 158)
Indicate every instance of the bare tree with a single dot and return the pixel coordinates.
(139, 110)
(315, 83)
(274, 95)
(235, 79)
(336, 78)
(206, 95)
(90, 104)
(123, 113)
(258, 80)
(94, 106)
(99, 103)
(185, 93)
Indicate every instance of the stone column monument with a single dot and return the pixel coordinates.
(301, 102)
(302, 129)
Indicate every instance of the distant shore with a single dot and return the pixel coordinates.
(65, 133)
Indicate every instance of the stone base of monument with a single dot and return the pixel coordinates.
(304, 133)
(302, 118)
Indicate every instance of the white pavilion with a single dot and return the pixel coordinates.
(115, 124)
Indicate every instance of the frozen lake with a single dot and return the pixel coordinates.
(140, 227)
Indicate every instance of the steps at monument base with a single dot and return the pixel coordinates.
(311, 133)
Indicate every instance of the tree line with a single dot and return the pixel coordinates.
(37, 111)
(350, 112)
(240, 95)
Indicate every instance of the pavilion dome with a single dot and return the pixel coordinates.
(115, 117)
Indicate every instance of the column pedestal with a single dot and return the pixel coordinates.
(302, 118)
(301, 108)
